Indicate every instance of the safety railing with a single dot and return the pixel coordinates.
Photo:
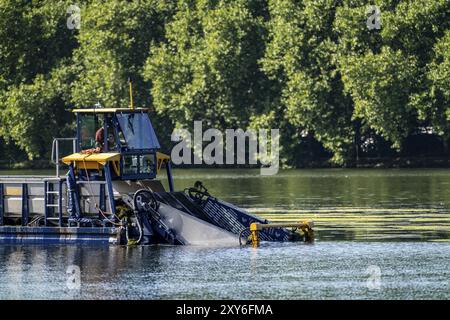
(55, 159)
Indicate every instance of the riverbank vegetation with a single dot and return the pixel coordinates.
(341, 90)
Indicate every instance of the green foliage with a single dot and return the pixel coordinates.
(433, 103)
(33, 39)
(311, 68)
(208, 67)
(34, 113)
(387, 72)
(114, 41)
(382, 104)
(301, 54)
(34, 47)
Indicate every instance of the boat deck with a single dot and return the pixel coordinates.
(58, 235)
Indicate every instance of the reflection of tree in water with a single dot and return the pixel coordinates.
(116, 267)
(13, 273)
(46, 266)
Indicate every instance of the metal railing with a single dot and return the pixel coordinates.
(55, 159)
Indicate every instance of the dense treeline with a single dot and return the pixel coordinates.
(312, 68)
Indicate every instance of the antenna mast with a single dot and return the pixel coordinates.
(131, 93)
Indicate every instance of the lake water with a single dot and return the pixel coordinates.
(380, 234)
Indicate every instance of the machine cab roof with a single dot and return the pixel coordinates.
(127, 129)
(123, 136)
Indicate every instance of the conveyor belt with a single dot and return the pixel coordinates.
(181, 201)
(235, 219)
(221, 214)
(174, 223)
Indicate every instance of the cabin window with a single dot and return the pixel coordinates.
(137, 131)
(139, 164)
(130, 165)
(88, 127)
(147, 164)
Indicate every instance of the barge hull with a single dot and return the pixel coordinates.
(58, 235)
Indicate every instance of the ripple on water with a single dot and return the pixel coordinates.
(323, 270)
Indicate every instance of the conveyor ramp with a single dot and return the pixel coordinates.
(221, 214)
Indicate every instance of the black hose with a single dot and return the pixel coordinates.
(141, 233)
(142, 207)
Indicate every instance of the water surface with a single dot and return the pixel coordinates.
(381, 234)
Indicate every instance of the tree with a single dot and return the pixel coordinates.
(208, 67)
(114, 38)
(385, 71)
(433, 101)
(36, 113)
(31, 50)
(311, 68)
(300, 54)
(380, 86)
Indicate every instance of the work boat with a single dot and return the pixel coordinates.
(111, 195)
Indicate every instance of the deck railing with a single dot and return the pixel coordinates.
(55, 159)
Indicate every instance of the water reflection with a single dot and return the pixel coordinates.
(346, 204)
(287, 271)
(405, 213)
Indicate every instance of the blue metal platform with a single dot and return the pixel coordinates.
(58, 235)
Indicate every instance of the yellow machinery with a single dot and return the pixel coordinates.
(305, 227)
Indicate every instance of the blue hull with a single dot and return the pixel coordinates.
(57, 235)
